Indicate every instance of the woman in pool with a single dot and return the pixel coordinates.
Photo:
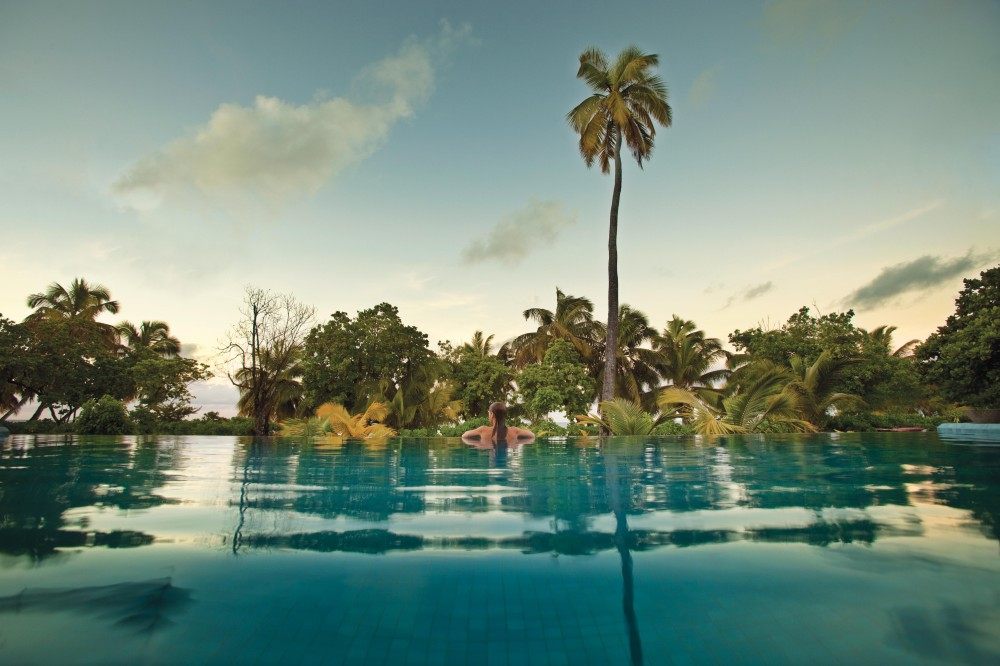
(497, 432)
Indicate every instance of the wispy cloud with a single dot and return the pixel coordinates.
(703, 87)
(518, 234)
(920, 274)
(750, 293)
(861, 233)
(814, 24)
(278, 150)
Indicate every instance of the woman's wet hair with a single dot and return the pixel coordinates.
(499, 412)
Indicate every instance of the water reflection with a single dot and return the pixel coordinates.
(43, 479)
(799, 489)
(640, 506)
(617, 481)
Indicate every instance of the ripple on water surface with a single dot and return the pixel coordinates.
(825, 548)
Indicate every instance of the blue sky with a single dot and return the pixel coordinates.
(822, 153)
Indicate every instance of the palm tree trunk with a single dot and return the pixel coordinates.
(611, 342)
(38, 412)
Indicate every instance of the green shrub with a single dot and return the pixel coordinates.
(456, 429)
(866, 421)
(671, 429)
(106, 416)
(39, 427)
(546, 428)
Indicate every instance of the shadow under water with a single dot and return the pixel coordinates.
(142, 606)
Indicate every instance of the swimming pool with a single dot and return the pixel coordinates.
(825, 548)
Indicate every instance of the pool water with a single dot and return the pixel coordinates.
(777, 549)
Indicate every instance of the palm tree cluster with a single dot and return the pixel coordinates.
(85, 302)
(680, 372)
(645, 360)
(72, 312)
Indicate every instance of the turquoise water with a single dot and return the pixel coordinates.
(827, 549)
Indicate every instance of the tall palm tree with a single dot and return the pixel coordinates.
(628, 101)
(152, 335)
(81, 300)
(572, 320)
(636, 364)
(688, 359)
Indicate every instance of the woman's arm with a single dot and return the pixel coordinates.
(475, 433)
(524, 433)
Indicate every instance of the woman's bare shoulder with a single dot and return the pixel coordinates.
(482, 431)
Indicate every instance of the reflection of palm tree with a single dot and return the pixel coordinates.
(619, 506)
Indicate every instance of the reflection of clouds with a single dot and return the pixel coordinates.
(950, 632)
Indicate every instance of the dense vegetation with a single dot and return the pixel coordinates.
(372, 374)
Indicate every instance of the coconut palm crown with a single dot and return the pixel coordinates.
(81, 300)
(572, 320)
(626, 103)
(152, 335)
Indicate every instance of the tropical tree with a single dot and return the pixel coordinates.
(636, 367)
(479, 379)
(881, 337)
(372, 356)
(689, 359)
(266, 346)
(621, 417)
(271, 391)
(816, 384)
(80, 302)
(626, 104)
(440, 406)
(962, 357)
(152, 335)
(561, 382)
(480, 344)
(756, 399)
(572, 320)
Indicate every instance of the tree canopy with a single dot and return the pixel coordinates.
(963, 356)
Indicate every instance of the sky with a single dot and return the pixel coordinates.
(830, 154)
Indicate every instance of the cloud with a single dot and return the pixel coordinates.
(277, 150)
(703, 87)
(750, 293)
(923, 273)
(516, 235)
(813, 24)
(859, 234)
